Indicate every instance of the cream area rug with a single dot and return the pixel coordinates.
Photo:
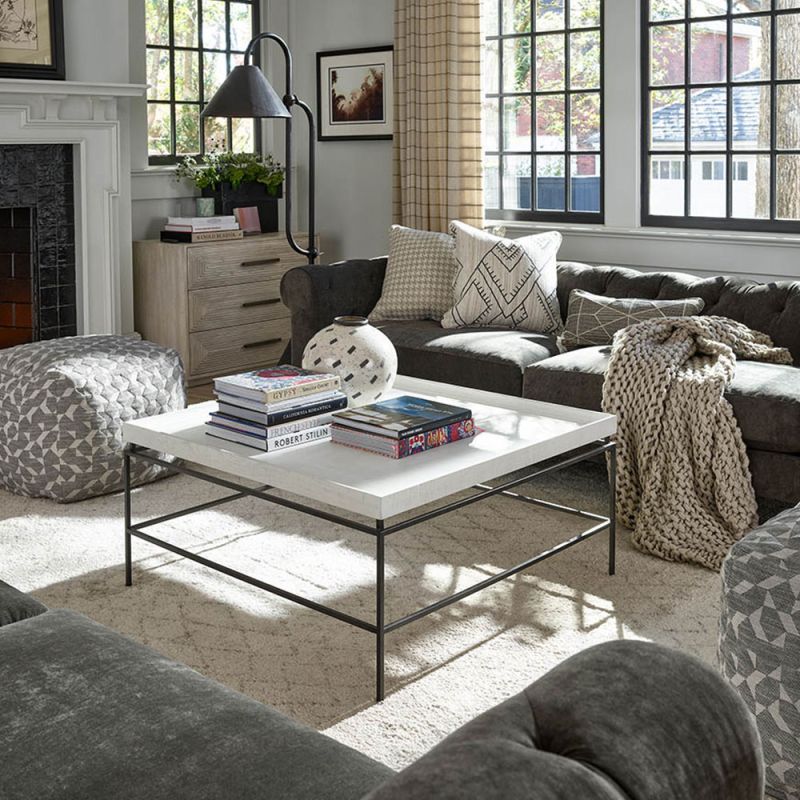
(440, 671)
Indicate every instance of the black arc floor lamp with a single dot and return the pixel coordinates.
(246, 92)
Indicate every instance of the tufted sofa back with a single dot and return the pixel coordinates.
(772, 308)
(623, 720)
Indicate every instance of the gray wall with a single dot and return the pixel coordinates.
(96, 40)
(354, 179)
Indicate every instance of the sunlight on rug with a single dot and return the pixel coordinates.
(440, 671)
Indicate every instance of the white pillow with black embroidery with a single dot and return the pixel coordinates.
(505, 283)
(419, 275)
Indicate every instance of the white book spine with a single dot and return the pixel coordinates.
(303, 437)
(301, 425)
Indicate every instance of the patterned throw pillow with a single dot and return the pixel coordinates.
(505, 283)
(593, 319)
(419, 275)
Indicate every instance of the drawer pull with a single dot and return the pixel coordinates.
(254, 303)
(261, 262)
(262, 343)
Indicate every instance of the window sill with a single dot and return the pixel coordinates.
(655, 234)
(158, 183)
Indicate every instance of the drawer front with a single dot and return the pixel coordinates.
(239, 262)
(222, 352)
(240, 304)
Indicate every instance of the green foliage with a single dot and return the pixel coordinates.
(233, 168)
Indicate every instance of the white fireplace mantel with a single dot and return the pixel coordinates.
(87, 116)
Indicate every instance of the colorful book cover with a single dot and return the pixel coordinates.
(421, 442)
(402, 416)
(408, 446)
(274, 384)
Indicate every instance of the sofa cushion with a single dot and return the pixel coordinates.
(87, 713)
(593, 319)
(492, 359)
(765, 397)
(505, 283)
(419, 275)
(16, 605)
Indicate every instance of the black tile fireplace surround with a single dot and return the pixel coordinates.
(40, 178)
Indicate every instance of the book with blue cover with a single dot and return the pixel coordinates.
(402, 416)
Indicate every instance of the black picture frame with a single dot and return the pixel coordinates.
(361, 130)
(56, 70)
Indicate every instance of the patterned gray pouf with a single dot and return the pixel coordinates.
(62, 405)
(759, 647)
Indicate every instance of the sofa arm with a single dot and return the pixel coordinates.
(623, 720)
(315, 294)
(16, 605)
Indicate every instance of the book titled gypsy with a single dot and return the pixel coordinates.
(276, 384)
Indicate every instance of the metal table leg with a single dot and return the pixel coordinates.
(612, 510)
(379, 612)
(126, 472)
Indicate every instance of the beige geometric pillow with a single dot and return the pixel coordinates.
(419, 275)
(505, 283)
(593, 320)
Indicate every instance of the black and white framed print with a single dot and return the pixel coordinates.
(355, 94)
(32, 39)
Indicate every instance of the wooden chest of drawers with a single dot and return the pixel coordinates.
(217, 303)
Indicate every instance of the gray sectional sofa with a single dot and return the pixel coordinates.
(86, 713)
(765, 397)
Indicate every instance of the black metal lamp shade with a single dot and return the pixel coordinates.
(246, 93)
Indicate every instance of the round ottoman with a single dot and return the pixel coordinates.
(62, 406)
(759, 642)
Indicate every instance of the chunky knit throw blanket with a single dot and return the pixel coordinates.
(684, 484)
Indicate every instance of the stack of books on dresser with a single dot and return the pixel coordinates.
(201, 229)
(275, 408)
(402, 426)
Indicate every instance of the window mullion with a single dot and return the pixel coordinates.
(773, 122)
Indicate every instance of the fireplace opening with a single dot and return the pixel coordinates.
(17, 298)
(37, 243)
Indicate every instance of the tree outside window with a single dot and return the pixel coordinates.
(723, 95)
(191, 47)
(542, 72)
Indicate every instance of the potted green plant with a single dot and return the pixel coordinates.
(237, 180)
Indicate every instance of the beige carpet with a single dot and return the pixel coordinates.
(441, 671)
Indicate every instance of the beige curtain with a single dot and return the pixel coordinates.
(438, 160)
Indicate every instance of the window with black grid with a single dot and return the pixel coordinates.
(543, 109)
(721, 96)
(191, 47)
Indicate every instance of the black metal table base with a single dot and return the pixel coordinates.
(380, 530)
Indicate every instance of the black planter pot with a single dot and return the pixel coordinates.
(226, 199)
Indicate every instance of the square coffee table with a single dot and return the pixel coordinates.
(516, 434)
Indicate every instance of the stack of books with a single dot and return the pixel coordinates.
(402, 426)
(275, 408)
(201, 229)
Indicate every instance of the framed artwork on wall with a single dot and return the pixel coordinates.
(32, 39)
(355, 98)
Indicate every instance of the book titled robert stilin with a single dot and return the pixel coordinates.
(270, 445)
(276, 384)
